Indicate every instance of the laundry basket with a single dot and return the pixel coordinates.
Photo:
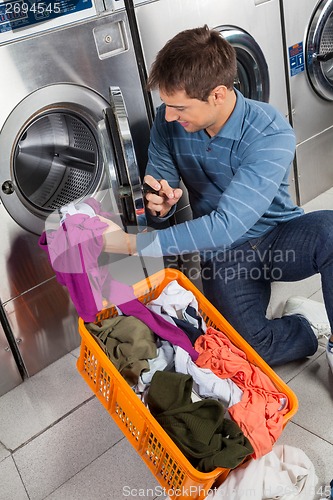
(171, 468)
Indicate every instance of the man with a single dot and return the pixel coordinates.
(234, 156)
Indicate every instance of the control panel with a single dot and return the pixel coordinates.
(23, 17)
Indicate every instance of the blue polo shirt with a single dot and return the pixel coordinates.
(237, 181)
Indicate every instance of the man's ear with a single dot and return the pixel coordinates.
(219, 94)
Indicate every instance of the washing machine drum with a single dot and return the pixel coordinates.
(252, 70)
(55, 161)
(51, 153)
(319, 50)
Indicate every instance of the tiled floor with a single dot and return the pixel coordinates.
(58, 442)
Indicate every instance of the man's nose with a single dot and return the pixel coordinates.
(171, 114)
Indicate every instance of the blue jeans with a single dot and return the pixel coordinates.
(238, 283)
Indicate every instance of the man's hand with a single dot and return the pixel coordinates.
(161, 203)
(116, 240)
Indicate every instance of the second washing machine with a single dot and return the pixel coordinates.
(308, 28)
(253, 27)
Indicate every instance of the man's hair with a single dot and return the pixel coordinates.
(195, 61)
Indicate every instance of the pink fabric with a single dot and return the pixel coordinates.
(73, 250)
(257, 414)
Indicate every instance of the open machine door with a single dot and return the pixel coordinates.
(120, 160)
(71, 144)
(319, 50)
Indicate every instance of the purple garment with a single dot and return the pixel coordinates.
(159, 325)
(73, 250)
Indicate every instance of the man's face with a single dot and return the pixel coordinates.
(192, 114)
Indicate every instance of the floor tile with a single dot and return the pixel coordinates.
(117, 474)
(318, 296)
(76, 352)
(4, 453)
(289, 370)
(314, 389)
(282, 291)
(322, 202)
(318, 450)
(63, 450)
(41, 400)
(11, 486)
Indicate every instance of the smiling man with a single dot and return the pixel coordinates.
(195, 115)
(234, 156)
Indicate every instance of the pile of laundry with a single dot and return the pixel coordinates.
(218, 407)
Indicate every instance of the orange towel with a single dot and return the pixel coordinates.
(259, 412)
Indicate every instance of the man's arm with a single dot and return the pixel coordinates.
(246, 201)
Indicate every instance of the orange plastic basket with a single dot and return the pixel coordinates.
(170, 467)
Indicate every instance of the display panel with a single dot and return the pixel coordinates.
(18, 14)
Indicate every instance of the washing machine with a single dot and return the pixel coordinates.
(74, 123)
(308, 31)
(253, 27)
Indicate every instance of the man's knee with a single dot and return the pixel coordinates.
(322, 224)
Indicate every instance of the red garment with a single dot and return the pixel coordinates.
(257, 414)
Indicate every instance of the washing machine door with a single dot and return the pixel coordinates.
(319, 50)
(120, 161)
(252, 69)
(53, 153)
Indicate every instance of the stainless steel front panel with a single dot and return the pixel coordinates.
(315, 169)
(9, 374)
(23, 265)
(44, 323)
